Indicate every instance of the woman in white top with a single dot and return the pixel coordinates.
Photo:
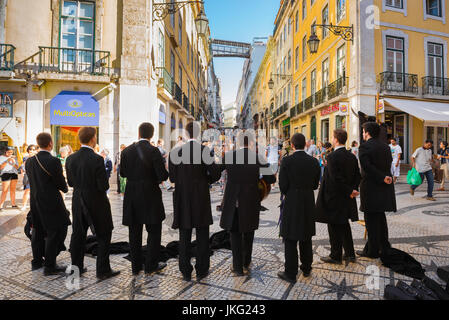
(9, 174)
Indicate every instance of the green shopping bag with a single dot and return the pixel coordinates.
(414, 178)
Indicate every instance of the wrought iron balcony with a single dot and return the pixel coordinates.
(165, 79)
(74, 61)
(7, 57)
(293, 111)
(185, 102)
(398, 82)
(177, 93)
(337, 88)
(308, 103)
(320, 96)
(191, 109)
(435, 86)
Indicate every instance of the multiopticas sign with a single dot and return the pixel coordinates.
(74, 108)
(73, 113)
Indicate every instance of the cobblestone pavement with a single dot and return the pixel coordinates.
(419, 227)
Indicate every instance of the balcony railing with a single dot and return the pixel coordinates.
(337, 88)
(435, 86)
(192, 109)
(293, 111)
(308, 103)
(177, 93)
(7, 57)
(398, 82)
(74, 61)
(320, 96)
(165, 79)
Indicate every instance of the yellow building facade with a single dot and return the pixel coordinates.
(394, 69)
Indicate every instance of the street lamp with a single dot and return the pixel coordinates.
(271, 82)
(163, 9)
(345, 32)
(201, 23)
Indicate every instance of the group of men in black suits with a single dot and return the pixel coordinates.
(86, 173)
(336, 203)
(192, 169)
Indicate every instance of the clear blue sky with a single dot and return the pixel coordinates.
(238, 20)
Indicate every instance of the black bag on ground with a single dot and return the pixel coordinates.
(424, 292)
(443, 274)
(394, 293)
(402, 263)
(220, 240)
(436, 288)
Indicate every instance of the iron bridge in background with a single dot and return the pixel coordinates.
(230, 49)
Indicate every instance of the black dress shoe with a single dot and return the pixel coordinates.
(108, 275)
(349, 259)
(200, 277)
(54, 270)
(361, 253)
(36, 265)
(136, 272)
(283, 276)
(306, 274)
(186, 277)
(238, 273)
(159, 267)
(330, 260)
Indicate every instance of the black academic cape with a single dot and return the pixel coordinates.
(47, 206)
(143, 167)
(299, 176)
(341, 177)
(86, 173)
(375, 161)
(242, 189)
(192, 170)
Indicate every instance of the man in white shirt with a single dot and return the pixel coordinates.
(396, 153)
(311, 149)
(422, 162)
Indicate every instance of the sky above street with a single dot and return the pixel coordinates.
(238, 20)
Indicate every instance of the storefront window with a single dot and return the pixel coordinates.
(325, 130)
(340, 122)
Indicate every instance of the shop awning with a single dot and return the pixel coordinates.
(8, 126)
(434, 114)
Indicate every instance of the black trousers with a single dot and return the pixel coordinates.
(78, 246)
(291, 256)
(47, 244)
(202, 251)
(241, 245)
(376, 225)
(340, 237)
(118, 179)
(153, 246)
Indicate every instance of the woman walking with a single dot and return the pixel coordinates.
(9, 167)
(31, 151)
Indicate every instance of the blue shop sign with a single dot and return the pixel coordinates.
(6, 102)
(74, 108)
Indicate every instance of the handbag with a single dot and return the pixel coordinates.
(414, 178)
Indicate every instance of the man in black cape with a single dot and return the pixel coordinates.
(299, 176)
(49, 215)
(143, 166)
(192, 170)
(86, 173)
(336, 202)
(241, 205)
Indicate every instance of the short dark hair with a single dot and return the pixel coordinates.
(43, 140)
(429, 141)
(341, 136)
(444, 143)
(86, 134)
(298, 141)
(353, 143)
(146, 130)
(372, 128)
(393, 138)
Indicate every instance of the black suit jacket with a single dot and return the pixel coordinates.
(242, 187)
(375, 160)
(191, 198)
(341, 177)
(86, 173)
(47, 206)
(299, 176)
(144, 171)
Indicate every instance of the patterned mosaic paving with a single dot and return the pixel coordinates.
(420, 228)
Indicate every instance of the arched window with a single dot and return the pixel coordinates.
(173, 121)
(162, 114)
(180, 126)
